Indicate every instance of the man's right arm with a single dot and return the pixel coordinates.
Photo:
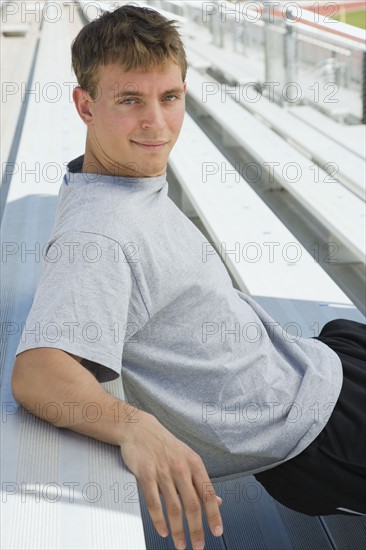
(161, 463)
(46, 375)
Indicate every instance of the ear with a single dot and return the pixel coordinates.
(185, 87)
(83, 103)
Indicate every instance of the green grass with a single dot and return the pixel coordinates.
(355, 18)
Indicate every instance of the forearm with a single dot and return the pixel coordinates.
(46, 376)
(162, 464)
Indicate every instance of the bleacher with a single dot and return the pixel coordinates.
(62, 490)
(59, 489)
(351, 137)
(336, 206)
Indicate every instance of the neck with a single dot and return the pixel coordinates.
(106, 167)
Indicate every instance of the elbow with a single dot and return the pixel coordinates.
(28, 376)
(17, 381)
(38, 380)
(27, 386)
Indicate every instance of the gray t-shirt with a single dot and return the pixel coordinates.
(126, 285)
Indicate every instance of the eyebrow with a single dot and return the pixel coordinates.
(127, 93)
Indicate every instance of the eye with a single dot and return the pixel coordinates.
(127, 101)
(171, 97)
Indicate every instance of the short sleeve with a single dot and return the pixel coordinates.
(81, 304)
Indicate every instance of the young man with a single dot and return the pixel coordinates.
(131, 295)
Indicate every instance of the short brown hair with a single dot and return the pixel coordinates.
(136, 37)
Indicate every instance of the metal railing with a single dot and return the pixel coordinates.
(293, 44)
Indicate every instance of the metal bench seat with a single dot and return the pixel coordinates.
(352, 137)
(340, 211)
(59, 489)
(335, 158)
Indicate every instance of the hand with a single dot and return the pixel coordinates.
(164, 465)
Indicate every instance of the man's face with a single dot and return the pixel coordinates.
(135, 120)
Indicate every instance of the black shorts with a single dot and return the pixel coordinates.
(329, 476)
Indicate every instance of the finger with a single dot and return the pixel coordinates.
(175, 513)
(153, 503)
(192, 509)
(207, 495)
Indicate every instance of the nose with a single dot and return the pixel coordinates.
(153, 116)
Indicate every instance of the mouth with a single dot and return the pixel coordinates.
(151, 145)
